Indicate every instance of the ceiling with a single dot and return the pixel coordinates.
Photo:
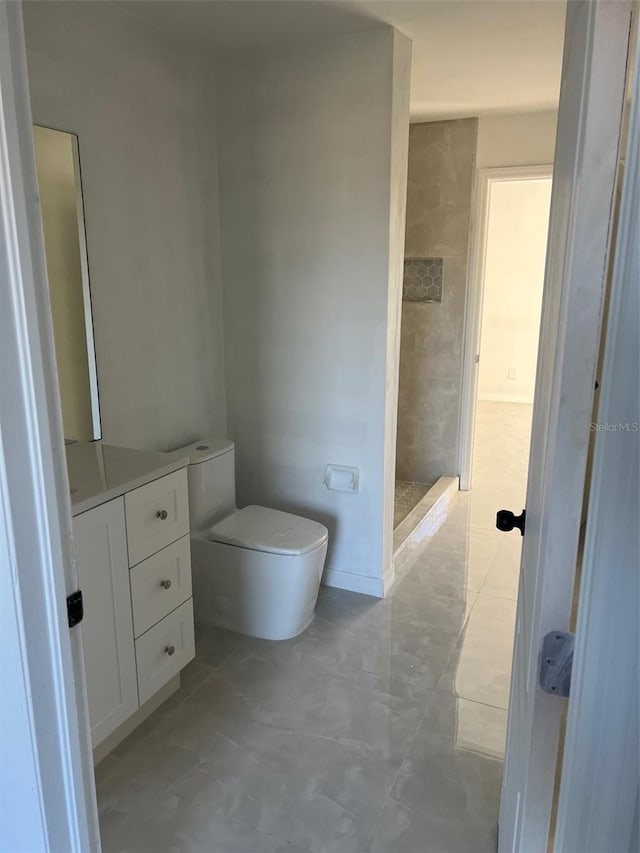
(478, 57)
(470, 57)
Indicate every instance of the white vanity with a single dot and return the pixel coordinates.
(130, 507)
(131, 540)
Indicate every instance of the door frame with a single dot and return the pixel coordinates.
(598, 798)
(474, 301)
(49, 777)
(589, 137)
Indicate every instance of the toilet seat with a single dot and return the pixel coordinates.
(269, 530)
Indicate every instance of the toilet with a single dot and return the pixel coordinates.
(255, 570)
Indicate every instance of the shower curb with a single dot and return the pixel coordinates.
(422, 523)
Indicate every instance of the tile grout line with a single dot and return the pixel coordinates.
(473, 701)
(404, 758)
(422, 718)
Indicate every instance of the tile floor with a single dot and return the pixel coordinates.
(380, 730)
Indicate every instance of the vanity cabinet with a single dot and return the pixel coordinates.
(100, 541)
(133, 560)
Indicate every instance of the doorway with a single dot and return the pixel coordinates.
(503, 321)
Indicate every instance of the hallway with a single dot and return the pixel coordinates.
(380, 730)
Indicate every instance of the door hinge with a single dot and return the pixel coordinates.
(75, 608)
(556, 662)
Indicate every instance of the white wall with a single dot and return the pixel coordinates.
(520, 139)
(143, 113)
(311, 165)
(514, 275)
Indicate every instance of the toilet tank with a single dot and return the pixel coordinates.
(212, 480)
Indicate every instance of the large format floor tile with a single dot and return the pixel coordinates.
(359, 709)
(480, 667)
(504, 574)
(380, 730)
(446, 795)
(458, 560)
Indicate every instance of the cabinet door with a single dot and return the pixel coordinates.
(107, 628)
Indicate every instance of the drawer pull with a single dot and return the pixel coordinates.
(165, 584)
(162, 514)
(170, 650)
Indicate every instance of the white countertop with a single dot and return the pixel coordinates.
(99, 472)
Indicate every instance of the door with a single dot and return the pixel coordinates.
(107, 628)
(598, 807)
(588, 136)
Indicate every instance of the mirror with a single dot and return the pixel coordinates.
(58, 170)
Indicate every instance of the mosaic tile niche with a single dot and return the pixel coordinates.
(422, 280)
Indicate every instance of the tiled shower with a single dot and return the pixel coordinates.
(442, 159)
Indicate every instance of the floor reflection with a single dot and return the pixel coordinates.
(381, 729)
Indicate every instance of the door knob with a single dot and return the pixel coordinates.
(506, 520)
(170, 650)
(162, 514)
(166, 584)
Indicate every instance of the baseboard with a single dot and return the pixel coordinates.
(353, 582)
(506, 398)
(389, 578)
(415, 531)
(419, 527)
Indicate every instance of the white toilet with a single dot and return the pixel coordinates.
(255, 570)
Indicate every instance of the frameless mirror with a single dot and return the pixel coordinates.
(58, 169)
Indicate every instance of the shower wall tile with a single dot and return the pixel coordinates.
(440, 180)
(441, 170)
(427, 444)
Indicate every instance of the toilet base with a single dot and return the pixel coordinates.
(270, 596)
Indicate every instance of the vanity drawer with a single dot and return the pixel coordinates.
(157, 514)
(159, 584)
(164, 650)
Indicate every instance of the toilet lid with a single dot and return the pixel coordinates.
(263, 529)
